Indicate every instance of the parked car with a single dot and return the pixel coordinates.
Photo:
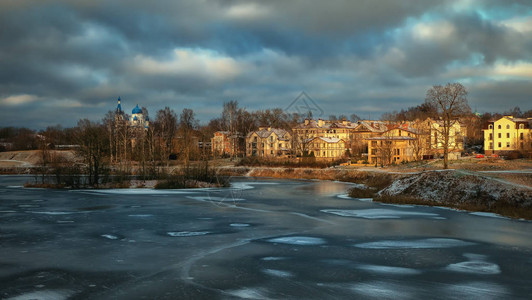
(479, 156)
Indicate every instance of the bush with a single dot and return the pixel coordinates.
(193, 176)
(361, 193)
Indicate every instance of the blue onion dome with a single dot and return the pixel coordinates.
(135, 118)
(136, 110)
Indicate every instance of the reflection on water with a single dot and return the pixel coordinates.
(324, 188)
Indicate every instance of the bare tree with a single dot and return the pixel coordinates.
(187, 125)
(449, 103)
(92, 138)
(166, 127)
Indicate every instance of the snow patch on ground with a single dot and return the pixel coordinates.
(298, 240)
(44, 295)
(378, 213)
(278, 273)
(187, 233)
(343, 196)
(415, 244)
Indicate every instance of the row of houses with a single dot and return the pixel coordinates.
(382, 142)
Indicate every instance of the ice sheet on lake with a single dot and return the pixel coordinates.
(110, 236)
(142, 191)
(477, 264)
(44, 295)
(248, 185)
(278, 273)
(239, 225)
(343, 196)
(381, 290)
(140, 215)
(187, 233)
(475, 267)
(415, 244)
(298, 240)
(250, 293)
(378, 213)
(487, 214)
(388, 270)
(273, 258)
(215, 199)
(476, 290)
(53, 213)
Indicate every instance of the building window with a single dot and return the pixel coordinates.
(508, 126)
(499, 127)
(521, 136)
(490, 126)
(491, 136)
(499, 145)
(271, 145)
(507, 144)
(507, 135)
(490, 146)
(271, 151)
(521, 126)
(499, 135)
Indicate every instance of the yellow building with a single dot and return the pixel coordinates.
(508, 134)
(268, 142)
(327, 148)
(395, 146)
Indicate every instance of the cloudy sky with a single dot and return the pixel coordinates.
(65, 60)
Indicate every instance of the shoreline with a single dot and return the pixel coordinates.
(516, 200)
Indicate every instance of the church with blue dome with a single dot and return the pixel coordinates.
(138, 117)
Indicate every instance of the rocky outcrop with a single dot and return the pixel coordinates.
(458, 187)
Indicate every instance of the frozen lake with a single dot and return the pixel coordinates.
(260, 239)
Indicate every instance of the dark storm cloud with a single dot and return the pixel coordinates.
(75, 58)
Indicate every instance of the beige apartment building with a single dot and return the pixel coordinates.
(508, 134)
(325, 148)
(268, 142)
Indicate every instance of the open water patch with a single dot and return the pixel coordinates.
(431, 243)
(298, 240)
(379, 213)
